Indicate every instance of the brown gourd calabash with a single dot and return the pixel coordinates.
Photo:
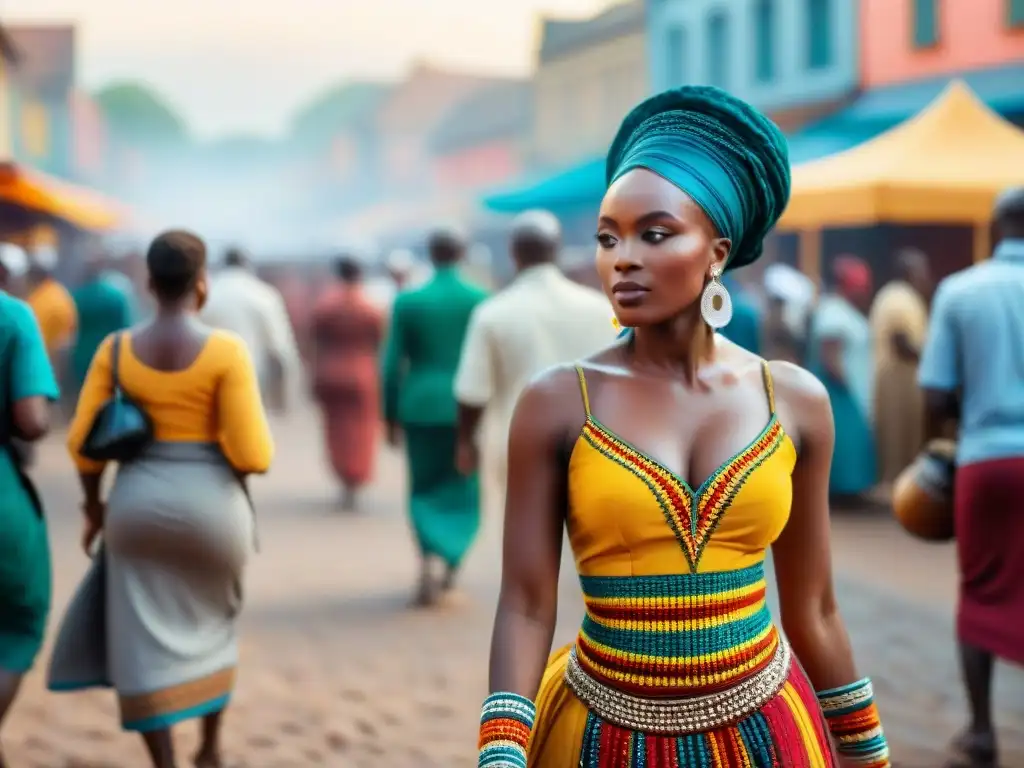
(922, 497)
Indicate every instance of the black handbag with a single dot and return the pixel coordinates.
(121, 429)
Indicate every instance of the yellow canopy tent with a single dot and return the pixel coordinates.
(58, 200)
(946, 165)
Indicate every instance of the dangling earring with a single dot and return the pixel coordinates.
(715, 302)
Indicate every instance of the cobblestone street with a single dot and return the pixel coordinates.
(338, 672)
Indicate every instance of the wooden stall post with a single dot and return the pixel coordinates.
(809, 254)
(982, 244)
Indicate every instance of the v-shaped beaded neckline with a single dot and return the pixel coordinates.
(696, 493)
(692, 515)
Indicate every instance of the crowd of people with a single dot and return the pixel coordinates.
(677, 426)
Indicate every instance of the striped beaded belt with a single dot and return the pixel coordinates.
(693, 714)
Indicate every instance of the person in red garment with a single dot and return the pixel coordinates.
(347, 331)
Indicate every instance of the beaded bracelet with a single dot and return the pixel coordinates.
(853, 720)
(505, 726)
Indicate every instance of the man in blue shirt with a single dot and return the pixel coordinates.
(972, 370)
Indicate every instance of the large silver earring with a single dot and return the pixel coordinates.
(715, 302)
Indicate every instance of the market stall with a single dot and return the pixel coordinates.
(944, 166)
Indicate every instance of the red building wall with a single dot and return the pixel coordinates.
(973, 34)
(480, 166)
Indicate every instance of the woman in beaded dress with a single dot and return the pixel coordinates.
(678, 662)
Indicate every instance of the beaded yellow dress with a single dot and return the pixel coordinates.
(673, 580)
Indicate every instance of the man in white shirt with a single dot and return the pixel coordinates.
(245, 305)
(542, 319)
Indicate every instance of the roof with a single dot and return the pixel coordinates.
(423, 99)
(493, 112)
(344, 107)
(563, 36)
(46, 55)
(579, 187)
(948, 164)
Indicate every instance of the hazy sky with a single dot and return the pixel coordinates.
(243, 65)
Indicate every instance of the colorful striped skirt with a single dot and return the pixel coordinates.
(680, 671)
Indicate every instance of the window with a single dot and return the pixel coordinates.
(819, 33)
(926, 23)
(718, 49)
(764, 40)
(675, 55)
(1015, 13)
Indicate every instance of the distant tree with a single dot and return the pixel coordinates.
(343, 107)
(138, 117)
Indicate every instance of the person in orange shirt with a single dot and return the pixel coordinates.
(53, 307)
(58, 320)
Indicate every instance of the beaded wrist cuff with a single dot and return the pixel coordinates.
(505, 726)
(853, 720)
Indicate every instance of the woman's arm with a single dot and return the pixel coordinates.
(803, 572)
(33, 384)
(803, 553)
(96, 390)
(534, 516)
(244, 432)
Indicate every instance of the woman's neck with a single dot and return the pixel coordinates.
(175, 311)
(679, 346)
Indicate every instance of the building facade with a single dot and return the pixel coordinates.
(589, 74)
(482, 141)
(409, 115)
(910, 40)
(41, 101)
(780, 55)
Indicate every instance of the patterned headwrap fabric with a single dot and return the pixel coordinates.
(731, 159)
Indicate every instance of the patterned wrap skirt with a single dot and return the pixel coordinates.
(155, 616)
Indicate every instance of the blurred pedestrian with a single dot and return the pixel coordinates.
(55, 312)
(27, 386)
(347, 333)
(102, 308)
(541, 319)
(744, 328)
(156, 615)
(790, 296)
(899, 326)
(254, 310)
(840, 354)
(425, 336)
(972, 371)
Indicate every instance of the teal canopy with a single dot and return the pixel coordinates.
(581, 186)
(878, 110)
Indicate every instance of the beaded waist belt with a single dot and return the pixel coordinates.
(695, 714)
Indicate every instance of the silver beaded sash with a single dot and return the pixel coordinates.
(693, 714)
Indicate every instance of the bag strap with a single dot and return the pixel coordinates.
(115, 360)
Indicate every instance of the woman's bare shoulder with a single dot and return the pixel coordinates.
(803, 398)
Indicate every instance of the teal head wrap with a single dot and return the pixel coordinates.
(731, 159)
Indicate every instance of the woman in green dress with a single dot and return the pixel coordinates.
(27, 386)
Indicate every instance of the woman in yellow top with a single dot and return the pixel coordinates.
(177, 526)
(675, 459)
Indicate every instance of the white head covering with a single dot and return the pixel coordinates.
(14, 259)
(544, 223)
(400, 261)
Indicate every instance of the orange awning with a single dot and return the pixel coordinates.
(946, 165)
(55, 199)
